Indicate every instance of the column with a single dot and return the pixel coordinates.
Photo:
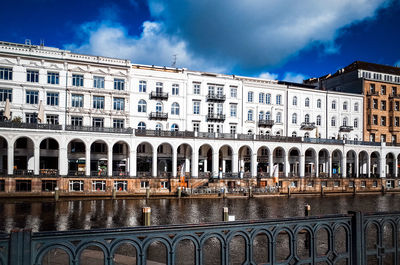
(330, 166)
(396, 168)
(223, 165)
(270, 163)
(154, 163)
(10, 159)
(174, 162)
(36, 159)
(235, 165)
(344, 166)
(63, 161)
(195, 164)
(302, 167)
(187, 160)
(205, 165)
(254, 165)
(368, 166)
(132, 163)
(215, 166)
(382, 167)
(287, 165)
(110, 160)
(356, 167)
(316, 167)
(87, 160)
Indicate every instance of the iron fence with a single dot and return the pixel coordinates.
(354, 238)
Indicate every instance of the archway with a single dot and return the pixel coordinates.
(390, 169)
(245, 162)
(375, 166)
(76, 158)
(144, 160)
(337, 166)
(49, 155)
(323, 163)
(205, 160)
(310, 163)
(3, 156)
(24, 162)
(99, 158)
(279, 160)
(120, 157)
(164, 160)
(263, 163)
(351, 164)
(225, 161)
(294, 162)
(184, 160)
(363, 166)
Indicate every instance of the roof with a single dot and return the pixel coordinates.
(374, 67)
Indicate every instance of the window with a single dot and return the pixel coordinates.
(383, 137)
(31, 117)
(32, 97)
(355, 123)
(5, 94)
(159, 87)
(175, 109)
(76, 121)
(164, 184)
(294, 134)
(268, 99)
(307, 102)
(233, 110)
(158, 127)
(196, 127)
(333, 104)
(397, 105)
(319, 103)
(261, 98)
(294, 118)
(250, 115)
(98, 185)
(142, 106)
(268, 115)
(211, 128)
(294, 102)
(142, 126)
(175, 89)
(356, 107)
(120, 185)
(98, 122)
(158, 107)
(5, 73)
(333, 122)
(53, 78)
(76, 185)
(196, 88)
(77, 101)
(375, 104)
(196, 107)
(142, 86)
(345, 105)
(278, 99)
(394, 90)
(32, 76)
(49, 185)
(233, 129)
(144, 184)
(210, 109)
(98, 102)
(278, 117)
(174, 127)
(319, 120)
(383, 90)
(211, 90)
(307, 118)
(261, 115)
(52, 119)
(23, 185)
(119, 104)
(375, 119)
(119, 84)
(77, 80)
(220, 91)
(397, 121)
(250, 96)
(383, 105)
(233, 92)
(383, 121)
(98, 82)
(220, 108)
(344, 121)
(52, 99)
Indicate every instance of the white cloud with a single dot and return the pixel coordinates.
(153, 46)
(294, 77)
(259, 33)
(267, 75)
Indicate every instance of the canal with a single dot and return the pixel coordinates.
(47, 215)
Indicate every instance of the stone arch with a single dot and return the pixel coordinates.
(99, 164)
(294, 162)
(3, 155)
(164, 159)
(49, 157)
(24, 161)
(120, 158)
(351, 164)
(310, 162)
(76, 154)
(184, 159)
(390, 166)
(363, 164)
(337, 165)
(375, 164)
(279, 154)
(144, 159)
(323, 163)
(245, 160)
(263, 161)
(225, 160)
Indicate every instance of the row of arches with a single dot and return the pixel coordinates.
(100, 158)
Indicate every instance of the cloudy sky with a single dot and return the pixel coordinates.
(276, 39)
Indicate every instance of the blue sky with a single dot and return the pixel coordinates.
(277, 39)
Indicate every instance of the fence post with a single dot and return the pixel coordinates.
(20, 247)
(357, 238)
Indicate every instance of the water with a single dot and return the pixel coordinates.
(47, 215)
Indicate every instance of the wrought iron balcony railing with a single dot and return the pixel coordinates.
(307, 126)
(158, 115)
(265, 123)
(23, 125)
(345, 128)
(216, 117)
(158, 95)
(216, 97)
(98, 129)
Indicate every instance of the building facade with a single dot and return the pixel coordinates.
(67, 114)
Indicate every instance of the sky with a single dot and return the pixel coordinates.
(275, 39)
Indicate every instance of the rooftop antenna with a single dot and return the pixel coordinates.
(173, 65)
(28, 42)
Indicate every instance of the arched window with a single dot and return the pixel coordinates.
(306, 135)
(142, 106)
(278, 117)
(158, 107)
(174, 127)
(334, 104)
(268, 133)
(333, 122)
(249, 132)
(345, 105)
(294, 134)
(261, 116)
(294, 118)
(319, 103)
(278, 133)
(175, 109)
(356, 107)
(268, 115)
(250, 115)
(141, 126)
(344, 121)
(294, 101)
(318, 120)
(307, 102)
(307, 118)
(158, 127)
(355, 124)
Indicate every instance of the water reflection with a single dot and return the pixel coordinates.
(88, 214)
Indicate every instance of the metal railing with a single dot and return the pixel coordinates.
(322, 141)
(160, 133)
(265, 123)
(345, 128)
(215, 97)
(215, 117)
(353, 238)
(98, 129)
(23, 125)
(158, 95)
(158, 115)
(23, 172)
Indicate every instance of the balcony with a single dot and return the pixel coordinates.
(158, 95)
(345, 128)
(22, 125)
(216, 98)
(216, 117)
(98, 129)
(308, 126)
(373, 93)
(265, 123)
(160, 133)
(158, 116)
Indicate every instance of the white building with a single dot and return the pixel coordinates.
(76, 114)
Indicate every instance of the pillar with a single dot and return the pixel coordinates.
(154, 163)
(36, 159)
(215, 166)
(63, 161)
(344, 166)
(235, 165)
(254, 164)
(195, 159)
(110, 160)
(174, 162)
(10, 159)
(187, 160)
(87, 160)
(223, 165)
(356, 167)
(132, 163)
(382, 167)
(316, 166)
(287, 165)
(368, 166)
(396, 168)
(270, 162)
(330, 166)
(302, 167)
(205, 165)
